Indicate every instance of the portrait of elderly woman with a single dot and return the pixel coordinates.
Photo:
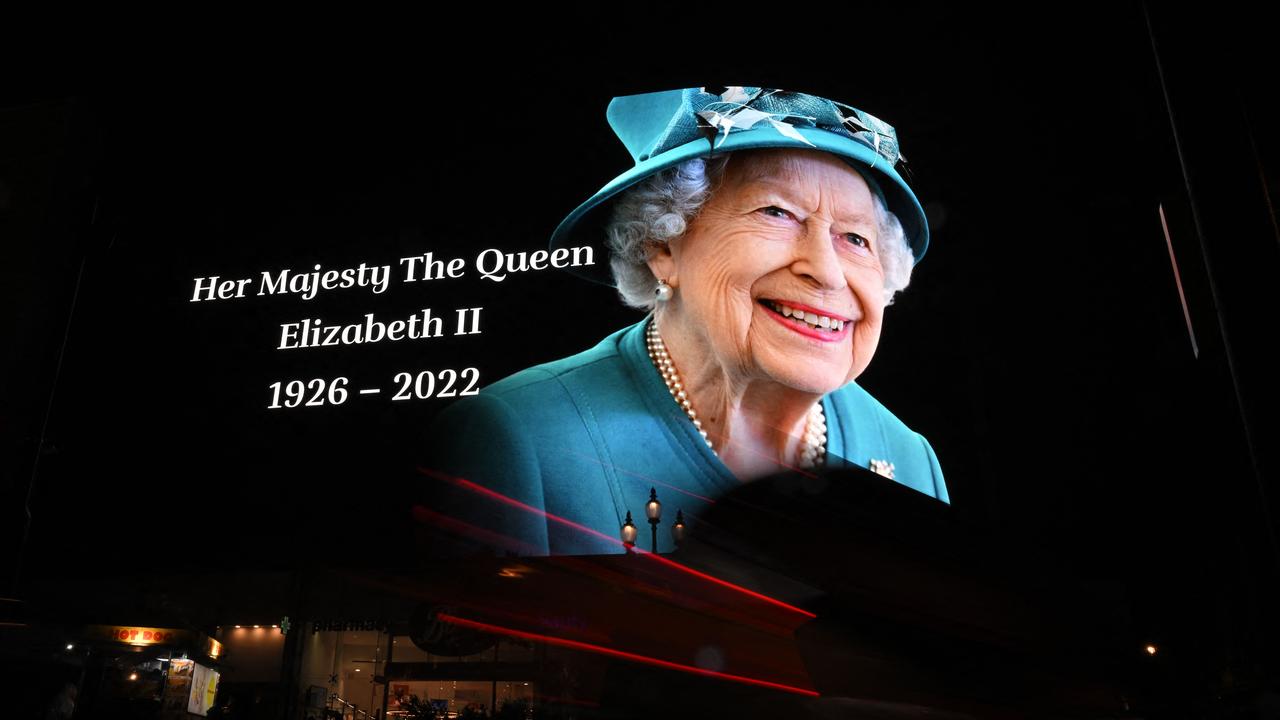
(763, 233)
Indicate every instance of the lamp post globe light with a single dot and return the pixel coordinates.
(628, 532)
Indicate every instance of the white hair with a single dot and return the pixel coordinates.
(660, 208)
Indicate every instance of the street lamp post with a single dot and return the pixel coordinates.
(653, 509)
(652, 512)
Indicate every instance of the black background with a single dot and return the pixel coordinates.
(1042, 347)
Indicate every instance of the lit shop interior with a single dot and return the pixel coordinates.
(375, 673)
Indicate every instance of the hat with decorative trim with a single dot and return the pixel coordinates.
(663, 129)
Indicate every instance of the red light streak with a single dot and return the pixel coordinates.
(623, 655)
(427, 516)
(480, 489)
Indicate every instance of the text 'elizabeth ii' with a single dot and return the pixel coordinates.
(313, 332)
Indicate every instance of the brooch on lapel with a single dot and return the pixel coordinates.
(882, 467)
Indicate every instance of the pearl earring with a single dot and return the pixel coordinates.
(664, 291)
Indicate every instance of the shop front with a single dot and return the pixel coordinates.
(355, 668)
(149, 672)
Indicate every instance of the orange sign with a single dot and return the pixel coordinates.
(145, 635)
(131, 634)
(136, 635)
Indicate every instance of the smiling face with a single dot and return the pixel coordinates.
(779, 276)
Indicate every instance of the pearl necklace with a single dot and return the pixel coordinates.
(815, 429)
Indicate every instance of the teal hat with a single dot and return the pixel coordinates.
(663, 129)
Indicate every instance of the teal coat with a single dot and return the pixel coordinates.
(577, 443)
